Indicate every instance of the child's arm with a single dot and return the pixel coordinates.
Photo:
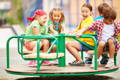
(52, 30)
(81, 31)
(84, 29)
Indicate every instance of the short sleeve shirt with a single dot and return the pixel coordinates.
(42, 29)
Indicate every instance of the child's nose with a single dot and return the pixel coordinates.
(57, 17)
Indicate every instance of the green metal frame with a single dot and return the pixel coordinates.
(60, 39)
(92, 36)
(60, 49)
(61, 74)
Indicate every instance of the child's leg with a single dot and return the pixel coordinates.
(74, 48)
(35, 47)
(53, 49)
(29, 45)
(45, 43)
(110, 62)
(111, 48)
(101, 46)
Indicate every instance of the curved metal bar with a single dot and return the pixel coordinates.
(52, 45)
(95, 45)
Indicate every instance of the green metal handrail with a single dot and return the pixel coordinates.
(92, 36)
(38, 38)
(60, 39)
(60, 45)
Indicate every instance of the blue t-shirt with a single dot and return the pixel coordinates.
(98, 18)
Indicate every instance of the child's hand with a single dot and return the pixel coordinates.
(72, 33)
(55, 32)
(78, 34)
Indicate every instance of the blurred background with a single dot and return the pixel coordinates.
(13, 13)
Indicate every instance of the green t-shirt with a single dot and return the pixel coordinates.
(42, 29)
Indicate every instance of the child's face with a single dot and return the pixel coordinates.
(56, 16)
(85, 12)
(108, 21)
(43, 19)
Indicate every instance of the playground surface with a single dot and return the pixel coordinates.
(16, 59)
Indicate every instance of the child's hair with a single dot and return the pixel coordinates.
(57, 9)
(101, 7)
(109, 13)
(89, 6)
(61, 20)
(36, 13)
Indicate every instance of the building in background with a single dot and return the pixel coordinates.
(71, 8)
(5, 6)
(29, 6)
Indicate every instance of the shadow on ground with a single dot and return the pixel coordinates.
(91, 77)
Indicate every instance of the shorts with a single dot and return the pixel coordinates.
(85, 48)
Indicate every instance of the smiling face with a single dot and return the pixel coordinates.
(85, 12)
(42, 19)
(56, 16)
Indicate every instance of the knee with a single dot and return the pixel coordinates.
(68, 45)
(46, 42)
(101, 44)
(110, 41)
(29, 45)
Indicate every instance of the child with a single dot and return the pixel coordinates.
(37, 27)
(56, 22)
(101, 9)
(56, 26)
(74, 47)
(107, 29)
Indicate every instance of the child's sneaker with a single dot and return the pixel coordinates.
(32, 63)
(88, 60)
(46, 62)
(77, 63)
(54, 62)
(110, 63)
(104, 59)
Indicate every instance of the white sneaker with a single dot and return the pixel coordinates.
(110, 63)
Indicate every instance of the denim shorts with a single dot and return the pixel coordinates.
(85, 48)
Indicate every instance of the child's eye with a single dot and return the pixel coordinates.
(54, 15)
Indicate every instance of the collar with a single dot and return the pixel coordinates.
(56, 24)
